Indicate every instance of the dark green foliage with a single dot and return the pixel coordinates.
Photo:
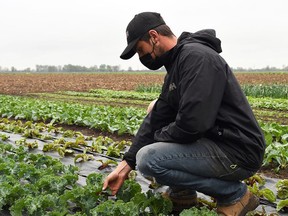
(273, 90)
(35, 184)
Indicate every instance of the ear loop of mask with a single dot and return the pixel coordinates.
(153, 47)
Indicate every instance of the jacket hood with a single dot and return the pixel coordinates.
(206, 37)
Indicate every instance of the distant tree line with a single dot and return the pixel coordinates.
(113, 68)
(72, 68)
(77, 68)
(265, 69)
(65, 68)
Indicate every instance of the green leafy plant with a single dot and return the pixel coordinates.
(255, 183)
(30, 145)
(105, 164)
(152, 88)
(255, 179)
(4, 137)
(62, 151)
(83, 157)
(282, 189)
(131, 202)
(202, 211)
(265, 192)
(282, 204)
(261, 213)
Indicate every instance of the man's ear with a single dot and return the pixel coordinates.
(154, 36)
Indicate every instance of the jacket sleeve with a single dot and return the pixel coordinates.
(201, 87)
(161, 115)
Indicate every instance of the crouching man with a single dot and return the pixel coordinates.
(201, 134)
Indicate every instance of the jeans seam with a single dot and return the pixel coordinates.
(190, 157)
(230, 173)
(155, 161)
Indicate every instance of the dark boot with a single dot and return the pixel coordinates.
(181, 198)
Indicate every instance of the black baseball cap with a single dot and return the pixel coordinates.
(138, 26)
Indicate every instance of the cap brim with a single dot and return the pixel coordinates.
(129, 51)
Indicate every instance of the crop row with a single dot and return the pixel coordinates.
(105, 118)
(253, 90)
(88, 98)
(276, 137)
(273, 91)
(271, 96)
(269, 103)
(63, 142)
(36, 184)
(119, 94)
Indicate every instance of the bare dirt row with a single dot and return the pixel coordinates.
(31, 83)
(19, 84)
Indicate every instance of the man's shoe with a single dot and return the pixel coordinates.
(181, 199)
(247, 203)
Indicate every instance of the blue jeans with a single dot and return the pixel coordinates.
(201, 166)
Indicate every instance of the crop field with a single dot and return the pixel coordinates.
(61, 134)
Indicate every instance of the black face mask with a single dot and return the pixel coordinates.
(149, 62)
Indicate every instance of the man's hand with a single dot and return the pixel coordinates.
(116, 178)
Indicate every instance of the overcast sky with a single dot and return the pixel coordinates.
(254, 33)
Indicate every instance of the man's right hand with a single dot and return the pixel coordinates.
(116, 178)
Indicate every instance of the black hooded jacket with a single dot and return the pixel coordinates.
(201, 98)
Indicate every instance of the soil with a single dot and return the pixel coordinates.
(270, 171)
(21, 84)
